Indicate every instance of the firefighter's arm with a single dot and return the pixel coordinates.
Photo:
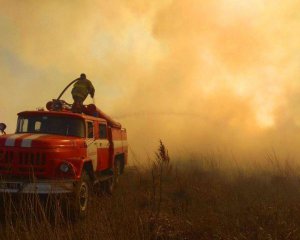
(92, 90)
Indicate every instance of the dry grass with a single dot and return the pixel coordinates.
(171, 200)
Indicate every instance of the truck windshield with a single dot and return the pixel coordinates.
(65, 126)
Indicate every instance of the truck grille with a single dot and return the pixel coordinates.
(22, 162)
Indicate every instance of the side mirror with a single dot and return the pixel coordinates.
(2, 128)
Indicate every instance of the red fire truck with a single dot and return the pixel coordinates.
(55, 151)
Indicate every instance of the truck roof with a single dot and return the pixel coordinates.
(61, 113)
(90, 112)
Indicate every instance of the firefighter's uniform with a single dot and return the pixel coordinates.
(80, 91)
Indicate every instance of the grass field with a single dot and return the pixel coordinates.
(190, 199)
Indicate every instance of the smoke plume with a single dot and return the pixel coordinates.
(202, 76)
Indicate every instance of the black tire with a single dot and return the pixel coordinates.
(81, 197)
(117, 170)
(109, 185)
(2, 209)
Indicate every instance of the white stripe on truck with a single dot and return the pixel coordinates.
(10, 141)
(27, 142)
(120, 143)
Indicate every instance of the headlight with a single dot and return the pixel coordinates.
(65, 167)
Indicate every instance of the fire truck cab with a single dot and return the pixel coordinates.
(57, 151)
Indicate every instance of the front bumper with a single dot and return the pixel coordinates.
(38, 187)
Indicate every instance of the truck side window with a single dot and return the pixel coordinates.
(90, 130)
(102, 131)
(23, 125)
(37, 126)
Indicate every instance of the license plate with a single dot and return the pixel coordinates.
(11, 185)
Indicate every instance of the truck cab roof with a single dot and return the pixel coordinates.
(62, 114)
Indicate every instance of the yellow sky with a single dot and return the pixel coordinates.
(220, 73)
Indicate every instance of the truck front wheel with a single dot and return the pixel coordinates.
(81, 197)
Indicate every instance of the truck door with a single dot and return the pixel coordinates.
(91, 143)
(103, 147)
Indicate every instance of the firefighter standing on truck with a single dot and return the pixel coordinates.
(80, 91)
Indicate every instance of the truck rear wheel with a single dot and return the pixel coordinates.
(117, 170)
(108, 185)
(81, 197)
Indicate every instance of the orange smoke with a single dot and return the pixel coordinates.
(199, 75)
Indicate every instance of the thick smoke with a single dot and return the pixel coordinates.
(202, 76)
